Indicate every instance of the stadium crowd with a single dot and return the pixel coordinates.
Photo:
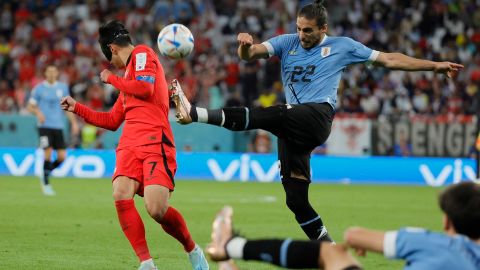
(34, 33)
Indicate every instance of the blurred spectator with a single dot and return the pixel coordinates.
(261, 142)
(402, 147)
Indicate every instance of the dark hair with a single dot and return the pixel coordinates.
(316, 11)
(461, 204)
(113, 32)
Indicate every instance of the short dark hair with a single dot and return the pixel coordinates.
(113, 32)
(316, 11)
(461, 204)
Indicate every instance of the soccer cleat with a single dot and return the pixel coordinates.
(48, 190)
(182, 105)
(324, 236)
(197, 259)
(222, 232)
(147, 265)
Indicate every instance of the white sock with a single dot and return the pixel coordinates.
(202, 115)
(149, 261)
(235, 247)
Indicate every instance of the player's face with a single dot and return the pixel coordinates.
(51, 74)
(309, 32)
(116, 60)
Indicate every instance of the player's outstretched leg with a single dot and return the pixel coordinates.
(236, 119)
(286, 253)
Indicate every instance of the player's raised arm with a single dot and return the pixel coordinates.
(401, 61)
(141, 87)
(110, 120)
(249, 51)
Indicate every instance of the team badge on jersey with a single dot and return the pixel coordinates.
(325, 51)
(140, 61)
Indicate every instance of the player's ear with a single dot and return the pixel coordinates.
(113, 49)
(324, 28)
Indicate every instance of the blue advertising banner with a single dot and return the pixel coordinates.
(255, 167)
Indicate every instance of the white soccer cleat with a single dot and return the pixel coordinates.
(48, 190)
(197, 259)
(182, 105)
(147, 265)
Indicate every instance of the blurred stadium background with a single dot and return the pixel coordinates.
(396, 133)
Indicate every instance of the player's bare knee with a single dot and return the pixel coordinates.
(121, 194)
(156, 210)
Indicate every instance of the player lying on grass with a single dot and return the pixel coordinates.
(145, 156)
(457, 248)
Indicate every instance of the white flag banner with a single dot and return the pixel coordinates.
(350, 136)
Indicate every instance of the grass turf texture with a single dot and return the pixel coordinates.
(78, 228)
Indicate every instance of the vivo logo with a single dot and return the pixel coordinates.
(458, 170)
(244, 166)
(85, 166)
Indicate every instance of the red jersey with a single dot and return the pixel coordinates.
(143, 102)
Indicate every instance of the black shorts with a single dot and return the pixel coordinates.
(51, 137)
(299, 128)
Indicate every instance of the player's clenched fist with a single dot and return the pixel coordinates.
(245, 39)
(68, 103)
(104, 75)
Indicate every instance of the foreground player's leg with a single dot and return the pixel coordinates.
(230, 118)
(173, 223)
(129, 218)
(285, 253)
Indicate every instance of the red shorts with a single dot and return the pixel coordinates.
(153, 164)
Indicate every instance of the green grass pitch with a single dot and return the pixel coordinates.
(78, 228)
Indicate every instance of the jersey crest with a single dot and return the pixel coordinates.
(325, 51)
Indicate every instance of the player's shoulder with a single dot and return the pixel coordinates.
(424, 235)
(286, 37)
(342, 40)
(142, 48)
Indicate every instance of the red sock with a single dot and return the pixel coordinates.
(132, 226)
(174, 224)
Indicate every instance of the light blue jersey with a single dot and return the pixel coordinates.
(313, 75)
(425, 250)
(47, 98)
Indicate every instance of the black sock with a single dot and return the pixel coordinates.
(193, 114)
(296, 191)
(55, 164)
(47, 168)
(285, 253)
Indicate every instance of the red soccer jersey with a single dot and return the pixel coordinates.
(143, 102)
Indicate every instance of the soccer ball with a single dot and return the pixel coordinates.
(175, 41)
